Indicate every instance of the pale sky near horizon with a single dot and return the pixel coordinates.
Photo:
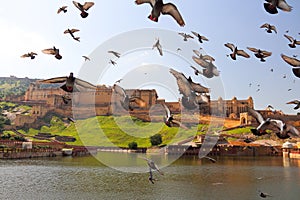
(34, 25)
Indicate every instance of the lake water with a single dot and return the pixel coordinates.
(186, 178)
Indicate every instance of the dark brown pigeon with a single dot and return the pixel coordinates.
(158, 7)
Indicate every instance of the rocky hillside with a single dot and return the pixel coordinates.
(14, 86)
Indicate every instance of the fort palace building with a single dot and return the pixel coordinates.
(104, 102)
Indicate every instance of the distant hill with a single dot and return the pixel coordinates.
(17, 86)
(14, 86)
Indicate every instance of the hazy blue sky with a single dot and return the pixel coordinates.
(33, 25)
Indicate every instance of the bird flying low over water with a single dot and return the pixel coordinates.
(263, 123)
(210, 159)
(62, 9)
(293, 62)
(158, 7)
(83, 8)
(53, 51)
(118, 55)
(30, 55)
(201, 38)
(264, 195)
(236, 51)
(71, 31)
(158, 46)
(296, 102)
(151, 179)
(260, 53)
(282, 130)
(71, 83)
(293, 41)
(272, 5)
(269, 27)
(170, 121)
(152, 165)
(186, 36)
(288, 131)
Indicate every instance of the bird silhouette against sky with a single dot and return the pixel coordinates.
(158, 7)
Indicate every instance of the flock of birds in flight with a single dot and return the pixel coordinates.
(193, 93)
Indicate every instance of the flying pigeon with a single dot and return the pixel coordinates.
(158, 7)
(119, 81)
(260, 53)
(53, 51)
(264, 195)
(204, 57)
(288, 131)
(71, 31)
(112, 62)
(196, 71)
(192, 94)
(269, 27)
(296, 102)
(263, 123)
(272, 5)
(62, 9)
(201, 38)
(118, 55)
(30, 55)
(293, 62)
(86, 58)
(126, 100)
(71, 83)
(186, 36)
(197, 87)
(152, 165)
(236, 51)
(170, 121)
(151, 179)
(210, 159)
(158, 46)
(293, 41)
(183, 84)
(210, 69)
(83, 8)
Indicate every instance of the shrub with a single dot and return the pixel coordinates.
(156, 139)
(132, 145)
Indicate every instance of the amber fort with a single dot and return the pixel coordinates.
(103, 102)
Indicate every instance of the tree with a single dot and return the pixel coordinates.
(156, 139)
(132, 145)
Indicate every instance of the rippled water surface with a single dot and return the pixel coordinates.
(186, 178)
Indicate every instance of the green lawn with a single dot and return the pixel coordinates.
(115, 131)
